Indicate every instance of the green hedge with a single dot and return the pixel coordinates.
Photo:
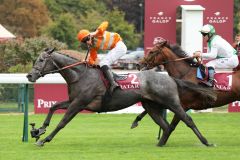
(17, 56)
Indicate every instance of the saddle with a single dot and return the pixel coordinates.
(222, 78)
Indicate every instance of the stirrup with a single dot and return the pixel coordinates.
(113, 88)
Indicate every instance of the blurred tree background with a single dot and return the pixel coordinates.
(23, 17)
(55, 23)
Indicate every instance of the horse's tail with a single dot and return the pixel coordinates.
(203, 93)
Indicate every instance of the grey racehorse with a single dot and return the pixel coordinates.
(86, 91)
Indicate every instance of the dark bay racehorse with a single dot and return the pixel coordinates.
(179, 65)
(86, 91)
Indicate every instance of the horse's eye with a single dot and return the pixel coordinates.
(40, 60)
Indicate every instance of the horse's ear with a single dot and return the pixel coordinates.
(49, 50)
(46, 49)
(162, 43)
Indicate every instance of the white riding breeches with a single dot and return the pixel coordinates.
(118, 51)
(222, 63)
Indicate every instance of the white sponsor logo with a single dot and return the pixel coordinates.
(129, 86)
(160, 13)
(217, 18)
(134, 83)
(222, 87)
(45, 104)
(160, 18)
(217, 13)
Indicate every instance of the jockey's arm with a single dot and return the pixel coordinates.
(210, 55)
(93, 56)
(101, 29)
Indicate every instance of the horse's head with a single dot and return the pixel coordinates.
(44, 64)
(155, 57)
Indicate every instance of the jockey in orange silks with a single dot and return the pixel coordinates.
(104, 40)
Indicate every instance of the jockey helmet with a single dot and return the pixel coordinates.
(82, 34)
(208, 30)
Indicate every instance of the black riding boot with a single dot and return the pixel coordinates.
(210, 77)
(109, 75)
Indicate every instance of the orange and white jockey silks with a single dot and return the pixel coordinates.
(104, 40)
(118, 51)
(221, 54)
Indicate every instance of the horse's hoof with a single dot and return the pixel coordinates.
(160, 145)
(39, 143)
(212, 145)
(134, 125)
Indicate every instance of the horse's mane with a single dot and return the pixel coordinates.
(73, 54)
(176, 49)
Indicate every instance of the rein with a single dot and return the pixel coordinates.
(58, 68)
(65, 67)
(176, 60)
(87, 53)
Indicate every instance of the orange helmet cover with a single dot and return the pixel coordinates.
(82, 34)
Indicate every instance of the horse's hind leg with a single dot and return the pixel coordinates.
(155, 114)
(178, 110)
(172, 127)
(138, 118)
(72, 110)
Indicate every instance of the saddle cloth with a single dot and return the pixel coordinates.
(128, 81)
(222, 79)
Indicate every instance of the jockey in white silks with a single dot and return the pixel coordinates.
(219, 52)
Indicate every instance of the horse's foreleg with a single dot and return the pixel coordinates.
(178, 110)
(72, 110)
(36, 133)
(138, 118)
(60, 105)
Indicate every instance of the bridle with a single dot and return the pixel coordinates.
(42, 73)
(149, 65)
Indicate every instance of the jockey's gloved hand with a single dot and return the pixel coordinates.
(197, 54)
(195, 60)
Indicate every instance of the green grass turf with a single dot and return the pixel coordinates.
(13, 107)
(109, 137)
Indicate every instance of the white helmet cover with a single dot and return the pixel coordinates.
(208, 29)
